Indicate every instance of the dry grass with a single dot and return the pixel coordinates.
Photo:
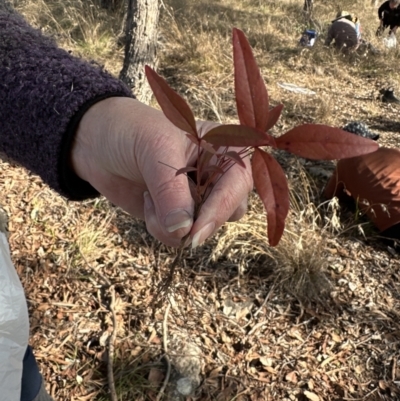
(84, 27)
(315, 317)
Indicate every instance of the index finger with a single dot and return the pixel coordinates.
(228, 198)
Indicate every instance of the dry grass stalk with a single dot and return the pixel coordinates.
(165, 346)
(111, 345)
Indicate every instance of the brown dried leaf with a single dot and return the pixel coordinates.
(311, 396)
(266, 361)
(383, 385)
(270, 370)
(291, 377)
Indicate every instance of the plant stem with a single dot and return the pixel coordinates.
(162, 290)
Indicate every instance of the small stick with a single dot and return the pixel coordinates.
(363, 398)
(112, 338)
(163, 288)
(165, 345)
(111, 342)
(100, 274)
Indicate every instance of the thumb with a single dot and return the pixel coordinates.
(168, 204)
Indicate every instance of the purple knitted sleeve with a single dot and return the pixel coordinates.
(44, 92)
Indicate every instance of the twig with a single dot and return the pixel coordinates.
(112, 338)
(363, 398)
(165, 345)
(100, 274)
(111, 341)
(241, 393)
(265, 300)
(165, 285)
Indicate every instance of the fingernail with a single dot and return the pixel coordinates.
(176, 219)
(202, 235)
(148, 202)
(187, 242)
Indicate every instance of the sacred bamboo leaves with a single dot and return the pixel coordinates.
(225, 145)
(271, 185)
(320, 142)
(173, 105)
(238, 135)
(273, 116)
(235, 156)
(251, 94)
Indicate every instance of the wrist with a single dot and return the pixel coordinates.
(106, 138)
(81, 148)
(90, 131)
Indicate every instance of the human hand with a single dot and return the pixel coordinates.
(379, 31)
(124, 148)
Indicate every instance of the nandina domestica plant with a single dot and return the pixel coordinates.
(215, 154)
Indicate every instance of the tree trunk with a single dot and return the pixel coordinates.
(141, 45)
(308, 6)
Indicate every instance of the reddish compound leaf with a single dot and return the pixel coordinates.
(235, 157)
(271, 185)
(202, 144)
(204, 160)
(207, 146)
(250, 91)
(193, 139)
(173, 105)
(320, 142)
(185, 170)
(238, 135)
(273, 116)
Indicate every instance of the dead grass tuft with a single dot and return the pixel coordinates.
(300, 259)
(300, 267)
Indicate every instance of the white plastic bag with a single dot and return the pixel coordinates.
(14, 326)
(390, 42)
(296, 89)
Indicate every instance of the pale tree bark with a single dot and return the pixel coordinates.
(141, 45)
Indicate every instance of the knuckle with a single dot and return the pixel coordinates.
(174, 188)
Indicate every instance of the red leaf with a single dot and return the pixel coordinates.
(273, 116)
(251, 94)
(204, 160)
(235, 157)
(173, 105)
(207, 146)
(185, 170)
(320, 142)
(238, 135)
(271, 185)
(202, 143)
(193, 139)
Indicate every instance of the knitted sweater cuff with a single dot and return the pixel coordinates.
(44, 92)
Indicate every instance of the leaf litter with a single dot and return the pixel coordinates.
(242, 334)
